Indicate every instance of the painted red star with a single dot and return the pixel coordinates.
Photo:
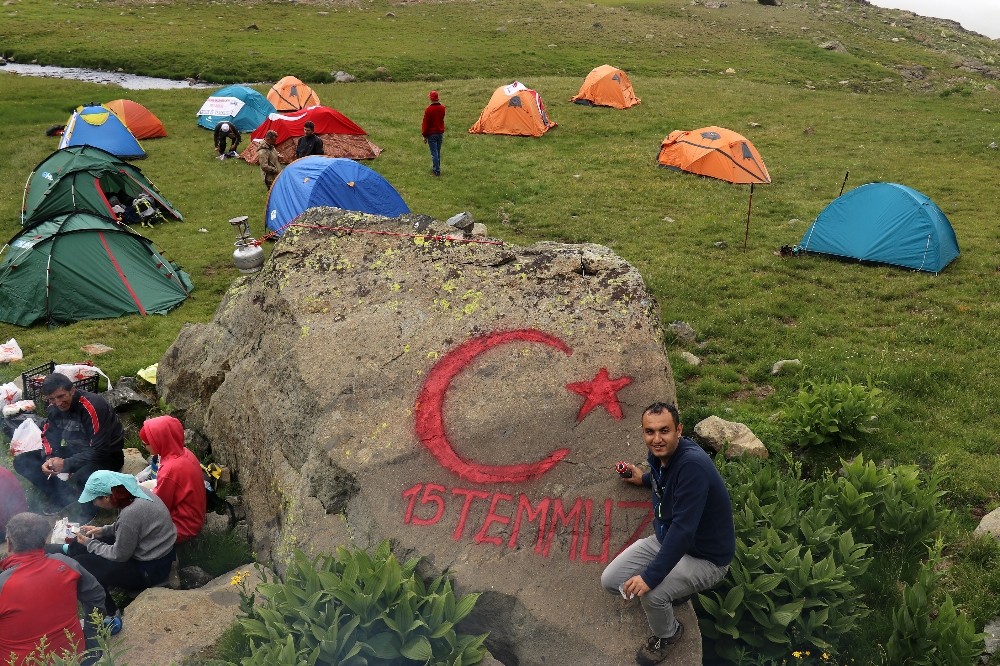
(603, 391)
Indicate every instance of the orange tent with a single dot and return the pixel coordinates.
(290, 94)
(715, 152)
(137, 118)
(516, 110)
(607, 86)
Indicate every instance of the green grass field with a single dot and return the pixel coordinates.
(929, 341)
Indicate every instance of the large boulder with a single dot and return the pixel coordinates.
(465, 398)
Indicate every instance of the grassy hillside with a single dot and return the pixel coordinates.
(909, 101)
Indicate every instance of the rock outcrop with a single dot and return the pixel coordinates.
(464, 398)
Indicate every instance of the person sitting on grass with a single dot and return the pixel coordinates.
(179, 481)
(39, 593)
(136, 551)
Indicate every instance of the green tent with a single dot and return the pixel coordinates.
(84, 178)
(77, 266)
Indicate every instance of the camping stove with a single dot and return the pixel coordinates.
(248, 257)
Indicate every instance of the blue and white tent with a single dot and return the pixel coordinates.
(243, 107)
(329, 181)
(96, 126)
(884, 223)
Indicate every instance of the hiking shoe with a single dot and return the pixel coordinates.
(114, 624)
(657, 649)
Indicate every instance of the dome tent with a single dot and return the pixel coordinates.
(340, 136)
(329, 181)
(290, 94)
(139, 120)
(515, 110)
(715, 152)
(95, 125)
(884, 223)
(607, 86)
(243, 107)
(84, 178)
(76, 266)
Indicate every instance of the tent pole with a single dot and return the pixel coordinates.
(842, 185)
(746, 236)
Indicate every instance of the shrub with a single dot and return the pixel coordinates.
(354, 609)
(791, 585)
(925, 633)
(830, 412)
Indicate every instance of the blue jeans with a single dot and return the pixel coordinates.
(434, 142)
(690, 575)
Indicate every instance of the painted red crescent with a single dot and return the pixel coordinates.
(429, 410)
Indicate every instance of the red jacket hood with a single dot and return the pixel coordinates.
(163, 435)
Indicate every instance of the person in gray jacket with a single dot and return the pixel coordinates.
(134, 552)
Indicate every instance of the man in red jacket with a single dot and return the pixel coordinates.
(39, 595)
(179, 480)
(433, 130)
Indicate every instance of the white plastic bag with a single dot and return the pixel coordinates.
(9, 394)
(27, 437)
(10, 352)
(18, 407)
(78, 372)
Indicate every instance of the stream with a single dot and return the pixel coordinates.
(128, 81)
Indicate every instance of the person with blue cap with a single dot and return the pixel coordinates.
(137, 550)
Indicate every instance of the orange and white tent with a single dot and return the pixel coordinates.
(607, 86)
(715, 152)
(290, 94)
(138, 119)
(516, 110)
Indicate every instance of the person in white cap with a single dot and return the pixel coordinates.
(223, 131)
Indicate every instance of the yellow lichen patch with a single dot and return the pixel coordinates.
(442, 303)
(433, 355)
(449, 286)
(419, 240)
(395, 286)
(305, 331)
(406, 348)
(473, 299)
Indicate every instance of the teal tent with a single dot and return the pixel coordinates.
(84, 178)
(884, 223)
(243, 107)
(78, 266)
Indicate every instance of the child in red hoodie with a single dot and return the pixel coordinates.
(179, 480)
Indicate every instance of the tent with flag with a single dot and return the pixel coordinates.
(84, 178)
(341, 137)
(138, 119)
(290, 94)
(715, 152)
(607, 86)
(76, 266)
(95, 125)
(243, 107)
(329, 181)
(515, 110)
(885, 223)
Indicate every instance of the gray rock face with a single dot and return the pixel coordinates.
(465, 399)
(990, 524)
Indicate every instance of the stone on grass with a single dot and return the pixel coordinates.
(343, 77)
(733, 439)
(690, 358)
(683, 332)
(785, 364)
(990, 524)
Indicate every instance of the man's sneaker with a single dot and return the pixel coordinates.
(657, 649)
(114, 624)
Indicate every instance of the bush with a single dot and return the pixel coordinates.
(925, 633)
(830, 412)
(354, 609)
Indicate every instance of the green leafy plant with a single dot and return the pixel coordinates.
(927, 630)
(829, 412)
(355, 609)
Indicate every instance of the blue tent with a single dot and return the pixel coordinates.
(885, 223)
(329, 181)
(97, 126)
(244, 107)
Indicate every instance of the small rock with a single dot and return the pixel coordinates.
(720, 244)
(730, 70)
(461, 221)
(193, 577)
(598, 26)
(793, 221)
(668, 219)
(753, 125)
(127, 395)
(478, 230)
(253, 26)
(390, 15)
(734, 440)
(502, 28)
(992, 631)
(833, 45)
(844, 82)
(690, 358)
(779, 366)
(683, 332)
(343, 77)
(993, 145)
(809, 130)
(203, 230)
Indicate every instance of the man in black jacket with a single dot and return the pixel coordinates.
(82, 435)
(309, 144)
(226, 131)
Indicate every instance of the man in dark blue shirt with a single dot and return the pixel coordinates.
(694, 539)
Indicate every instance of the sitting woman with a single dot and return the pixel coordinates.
(137, 550)
(179, 479)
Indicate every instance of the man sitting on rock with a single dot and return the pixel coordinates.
(82, 435)
(694, 539)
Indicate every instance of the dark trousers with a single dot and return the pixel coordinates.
(59, 492)
(131, 574)
(222, 145)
